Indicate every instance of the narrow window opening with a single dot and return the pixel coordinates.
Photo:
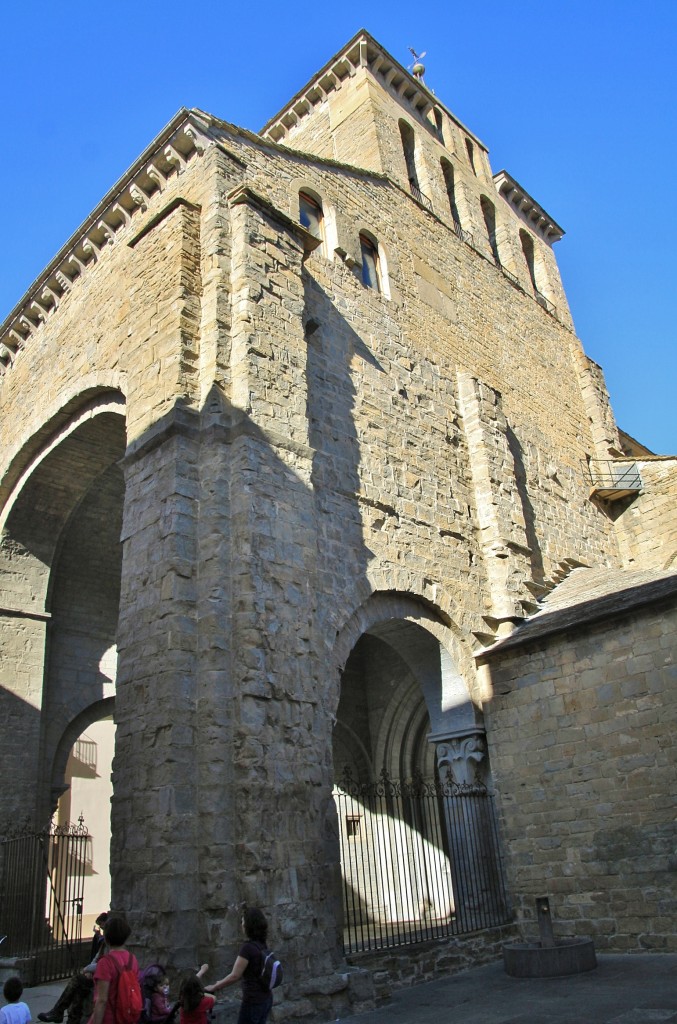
(439, 123)
(489, 215)
(471, 155)
(409, 149)
(528, 250)
(448, 172)
(371, 274)
(310, 215)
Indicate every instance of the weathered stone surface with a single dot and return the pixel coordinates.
(268, 513)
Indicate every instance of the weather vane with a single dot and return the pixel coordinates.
(417, 68)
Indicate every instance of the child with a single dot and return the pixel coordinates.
(155, 990)
(194, 1003)
(15, 1012)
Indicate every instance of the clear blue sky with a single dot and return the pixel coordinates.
(576, 99)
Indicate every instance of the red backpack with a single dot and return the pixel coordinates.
(128, 1000)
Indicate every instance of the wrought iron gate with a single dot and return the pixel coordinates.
(419, 860)
(42, 878)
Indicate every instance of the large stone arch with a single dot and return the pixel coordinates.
(444, 669)
(409, 855)
(61, 516)
(92, 713)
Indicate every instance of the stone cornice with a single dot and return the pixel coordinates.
(529, 210)
(362, 51)
(167, 156)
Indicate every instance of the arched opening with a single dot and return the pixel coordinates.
(448, 172)
(311, 216)
(86, 787)
(409, 149)
(528, 250)
(416, 825)
(470, 150)
(371, 262)
(489, 214)
(60, 570)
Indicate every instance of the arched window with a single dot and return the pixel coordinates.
(437, 113)
(489, 214)
(471, 155)
(371, 269)
(310, 215)
(528, 250)
(409, 148)
(448, 172)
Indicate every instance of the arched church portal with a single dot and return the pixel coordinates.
(419, 846)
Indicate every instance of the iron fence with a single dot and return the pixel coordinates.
(41, 894)
(420, 859)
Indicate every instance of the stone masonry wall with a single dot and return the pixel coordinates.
(581, 735)
(647, 529)
(295, 443)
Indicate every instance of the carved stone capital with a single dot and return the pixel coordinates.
(462, 756)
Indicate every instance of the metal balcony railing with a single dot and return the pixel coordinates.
(542, 301)
(511, 277)
(614, 478)
(464, 235)
(84, 751)
(420, 197)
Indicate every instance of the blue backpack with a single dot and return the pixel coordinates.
(271, 970)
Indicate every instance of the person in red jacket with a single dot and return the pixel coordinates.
(116, 931)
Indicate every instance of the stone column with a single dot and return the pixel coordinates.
(469, 817)
(498, 505)
(281, 730)
(156, 838)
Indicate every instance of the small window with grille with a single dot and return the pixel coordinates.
(352, 825)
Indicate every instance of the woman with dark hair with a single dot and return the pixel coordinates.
(116, 931)
(257, 998)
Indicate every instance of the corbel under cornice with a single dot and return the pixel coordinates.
(184, 137)
(528, 209)
(362, 51)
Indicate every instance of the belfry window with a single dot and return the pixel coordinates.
(310, 215)
(409, 150)
(448, 172)
(528, 250)
(471, 155)
(489, 214)
(371, 271)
